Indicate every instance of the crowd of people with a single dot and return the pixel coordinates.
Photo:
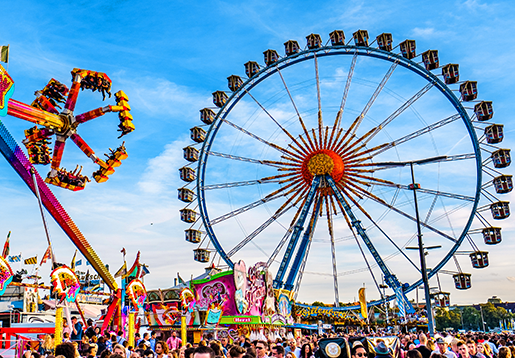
(89, 342)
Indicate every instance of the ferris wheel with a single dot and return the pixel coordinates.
(322, 162)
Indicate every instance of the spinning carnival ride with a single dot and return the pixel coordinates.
(309, 165)
(43, 111)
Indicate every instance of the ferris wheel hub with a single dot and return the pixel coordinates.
(321, 162)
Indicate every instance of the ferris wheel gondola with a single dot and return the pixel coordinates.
(265, 166)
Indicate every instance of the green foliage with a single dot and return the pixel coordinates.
(446, 318)
(471, 318)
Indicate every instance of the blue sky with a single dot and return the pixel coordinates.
(169, 56)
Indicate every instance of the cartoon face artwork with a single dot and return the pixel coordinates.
(269, 306)
(240, 282)
(65, 282)
(256, 291)
(137, 293)
(6, 275)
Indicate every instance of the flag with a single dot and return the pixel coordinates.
(4, 53)
(5, 253)
(144, 270)
(72, 265)
(47, 255)
(31, 260)
(88, 263)
(122, 271)
(363, 302)
(78, 263)
(123, 251)
(135, 270)
(15, 258)
(400, 301)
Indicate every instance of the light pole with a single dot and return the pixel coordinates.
(414, 186)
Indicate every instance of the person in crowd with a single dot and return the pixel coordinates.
(443, 349)
(119, 349)
(413, 353)
(261, 349)
(382, 350)
(76, 333)
(161, 349)
(292, 347)
(358, 351)
(217, 348)
(463, 350)
(203, 352)
(422, 348)
(48, 344)
(188, 353)
(306, 351)
(504, 352)
(153, 340)
(65, 349)
(173, 341)
(277, 351)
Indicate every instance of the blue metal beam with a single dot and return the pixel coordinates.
(390, 278)
(299, 226)
(302, 252)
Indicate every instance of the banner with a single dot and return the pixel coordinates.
(363, 303)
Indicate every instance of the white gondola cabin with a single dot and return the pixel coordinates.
(500, 210)
(271, 56)
(503, 184)
(207, 115)
(251, 68)
(430, 59)
(198, 134)
(484, 110)
(468, 90)
(442, 299)
(384, 41)
(479, 259)
(191, 154)
(187, 174)
(451, 73)
(314, 41)
(234, 82)
(201, 255)
(408, 49)
(186, 195)
(291, 47)
(501, 158)
(462, 281)
(337, 38)
(360, 38)
(188, 215)
(494, 133)
(193, 236)
(219, 98)
(492, 235)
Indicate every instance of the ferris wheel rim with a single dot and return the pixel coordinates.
(324, 51)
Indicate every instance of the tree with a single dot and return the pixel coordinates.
(446, 318)
(471, 318)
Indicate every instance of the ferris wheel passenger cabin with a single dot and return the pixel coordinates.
(468, 90)
(207, 115)
(492, 235)
(193, 236)
(186, 195)
(219, 98)
(479, 259)
(314, 41)
(500, 210)
(271, 56)
(337, 38)
(360, 38)
(187, 174)
(291, 47)
(191, 154)
(451, 73)
(384, 41)
(501, 158)
(201, 255)
(484, 110)
(408, 49)
(198, 134)
(430, 59)
(442, 299)
(234, 82)
(503, 184)
(188, 215)
(462, 281)
(251, 68)
(494, 133)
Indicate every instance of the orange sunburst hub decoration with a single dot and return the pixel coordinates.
(322, 162)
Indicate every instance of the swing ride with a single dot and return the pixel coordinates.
(265, 166)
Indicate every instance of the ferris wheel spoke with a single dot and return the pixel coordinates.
(300, 150)
(432, 192)
(338, 119)
(406, 215)
(319, 100)
(273, 145)
(418, 133)
(250, 160)
(333, 251)
(238, 183)
(312, 147)
(359, 119)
